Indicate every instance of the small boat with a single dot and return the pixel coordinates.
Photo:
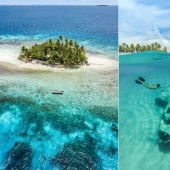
(57, 92)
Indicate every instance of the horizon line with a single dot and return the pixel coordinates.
(52, 5)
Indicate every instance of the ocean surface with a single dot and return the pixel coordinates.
(43, 131)
(94, 27)
(141, 111)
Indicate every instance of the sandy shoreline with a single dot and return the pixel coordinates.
(9, 54)
(94, 62)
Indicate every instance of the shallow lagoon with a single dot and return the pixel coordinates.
(140, 117)
(58, 131)
(48, 131)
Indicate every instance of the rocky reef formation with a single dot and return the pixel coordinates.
(80, 154)
(19, 157)
(163, 101)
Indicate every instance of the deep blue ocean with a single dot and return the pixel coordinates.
(73, 131)
(93, 26)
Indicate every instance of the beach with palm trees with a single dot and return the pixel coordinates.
(74, 129)
(125, 48)
(80, 120)
(12, 52)
(49, 125)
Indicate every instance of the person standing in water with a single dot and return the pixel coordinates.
(146, 84)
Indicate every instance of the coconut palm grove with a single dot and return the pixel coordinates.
(63, 51)
(125, 48)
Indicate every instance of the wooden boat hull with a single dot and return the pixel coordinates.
(57, 92)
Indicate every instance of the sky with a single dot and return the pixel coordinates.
(58, 2)
(144, 21)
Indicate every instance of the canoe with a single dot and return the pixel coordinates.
(58, 91)
(55, 92)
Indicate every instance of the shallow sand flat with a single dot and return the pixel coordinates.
(96, 84)
(55, 132)
(87, 107)
(92, 85)
(140, 116)
(51, 123)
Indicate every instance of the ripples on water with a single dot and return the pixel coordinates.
(43, 131)
(142, 113)
(91, 26)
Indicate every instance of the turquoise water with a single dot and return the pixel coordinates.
(140, 113)
(40, 130)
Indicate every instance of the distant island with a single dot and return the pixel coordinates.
(102, 5)
(125, 48)
(62, 52)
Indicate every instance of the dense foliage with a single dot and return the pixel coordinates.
(62, 51)
(125, 48)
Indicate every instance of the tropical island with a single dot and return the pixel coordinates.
(125, 48)
(62, 52)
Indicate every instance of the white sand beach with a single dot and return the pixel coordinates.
(10, 53)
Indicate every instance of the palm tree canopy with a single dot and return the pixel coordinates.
(65, 52)
(139, 48)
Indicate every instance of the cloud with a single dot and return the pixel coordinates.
(144, 22)
(58, 2)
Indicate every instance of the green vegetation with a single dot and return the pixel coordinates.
(64, 52)
(125, 48)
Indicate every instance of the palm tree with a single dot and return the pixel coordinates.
(120, 49)
(159, 46)
(137, 47)
(58, 43)
(152, 46)
(164, 49)
(71, 43)
(46, 51)
(66, 52)
(66, 40)
(50, 41)
(143, 48)
(156, 46)
(149, 47)
(23, 48)
(127, 49)
(75, 44)
(77, 47)
(124, 45)
(61, 37)
(82, 49)
(132, 48)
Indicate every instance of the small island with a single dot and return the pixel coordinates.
(62, 53)
(125, 48)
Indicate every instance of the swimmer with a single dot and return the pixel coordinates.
(146, 84)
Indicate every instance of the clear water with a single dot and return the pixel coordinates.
(92, 26)
(140, 117)
(70, 131)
